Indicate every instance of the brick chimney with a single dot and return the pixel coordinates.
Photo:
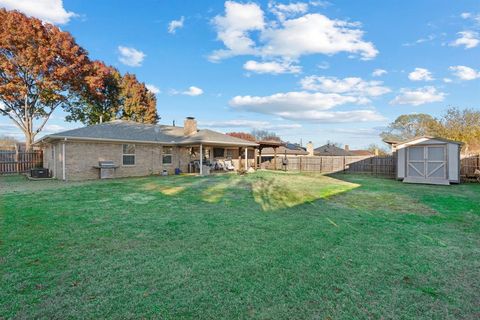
(347, 147)
(310, 148)
(189, 126)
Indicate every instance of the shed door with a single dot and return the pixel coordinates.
(428, 162)
(436, 162)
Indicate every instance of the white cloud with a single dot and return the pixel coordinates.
(175, 24)
(419, 96)
(47, 10)
(336, 116)
(131, 56)
(253, 124)
(272, 67)
(306, 106)
(379, 72)
(285, 102)
(420, 74)
(465, 73)
(468, 39)
(447, 80)
(53, 128)
(233, 29)
(316, 34)
(471, 16)
(350, 86)
(192, 91)
(323, 65)
(429, 38)
(283, 11)
(288, 38)
(152, 88)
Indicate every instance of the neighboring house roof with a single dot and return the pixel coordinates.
(361, 153)
(330, 150)
(129, 131)
(288, 148)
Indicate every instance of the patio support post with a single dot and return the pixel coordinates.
(259, 166)
(201, 159)
(275, 158)
(246, 158)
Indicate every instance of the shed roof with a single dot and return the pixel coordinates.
(421, 139)
(129, 131)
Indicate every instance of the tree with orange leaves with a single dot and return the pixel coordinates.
(242, 135)
(137, 103)
(41, 69)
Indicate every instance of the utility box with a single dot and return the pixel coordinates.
(39, 173)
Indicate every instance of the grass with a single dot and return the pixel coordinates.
(262, 246)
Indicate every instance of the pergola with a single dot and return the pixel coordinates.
(268, 144)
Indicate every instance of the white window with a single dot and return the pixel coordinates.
(128, 154)
(167, 155)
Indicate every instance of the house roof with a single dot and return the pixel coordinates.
(361, 152)
(288, 148)
(330, 150)
(129, 131)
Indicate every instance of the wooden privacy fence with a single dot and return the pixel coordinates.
(378, 165)
(14, 161)
(468, 165)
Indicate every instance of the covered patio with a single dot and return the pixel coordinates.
(210, 151)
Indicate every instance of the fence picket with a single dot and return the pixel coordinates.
(14, 161)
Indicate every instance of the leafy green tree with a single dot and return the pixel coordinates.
(409, 126)
(108, 96)
(100, 98)
(463, 126)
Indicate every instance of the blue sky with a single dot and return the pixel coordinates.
(304, 69)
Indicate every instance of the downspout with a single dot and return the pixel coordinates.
(63, 160)
(54, 161)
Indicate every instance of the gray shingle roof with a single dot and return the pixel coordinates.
(290, 148)
(330, 150)
(120, 130)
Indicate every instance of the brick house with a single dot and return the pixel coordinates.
(138, 149)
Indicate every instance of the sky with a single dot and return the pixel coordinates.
(316, 71)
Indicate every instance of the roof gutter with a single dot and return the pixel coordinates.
(172, 143)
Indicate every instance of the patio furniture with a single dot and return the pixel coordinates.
(229, 165)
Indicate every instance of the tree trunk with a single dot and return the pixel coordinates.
(28, 141)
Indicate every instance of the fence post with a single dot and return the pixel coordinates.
(17, 159)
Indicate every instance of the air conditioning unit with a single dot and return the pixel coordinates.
(39, 173)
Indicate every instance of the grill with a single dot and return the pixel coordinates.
(107, 169)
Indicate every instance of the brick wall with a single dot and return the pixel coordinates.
(82, 157)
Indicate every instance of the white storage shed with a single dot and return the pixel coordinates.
(428, 160)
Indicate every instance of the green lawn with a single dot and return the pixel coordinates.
(263, 246)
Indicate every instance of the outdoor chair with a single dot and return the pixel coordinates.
(228, 165)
